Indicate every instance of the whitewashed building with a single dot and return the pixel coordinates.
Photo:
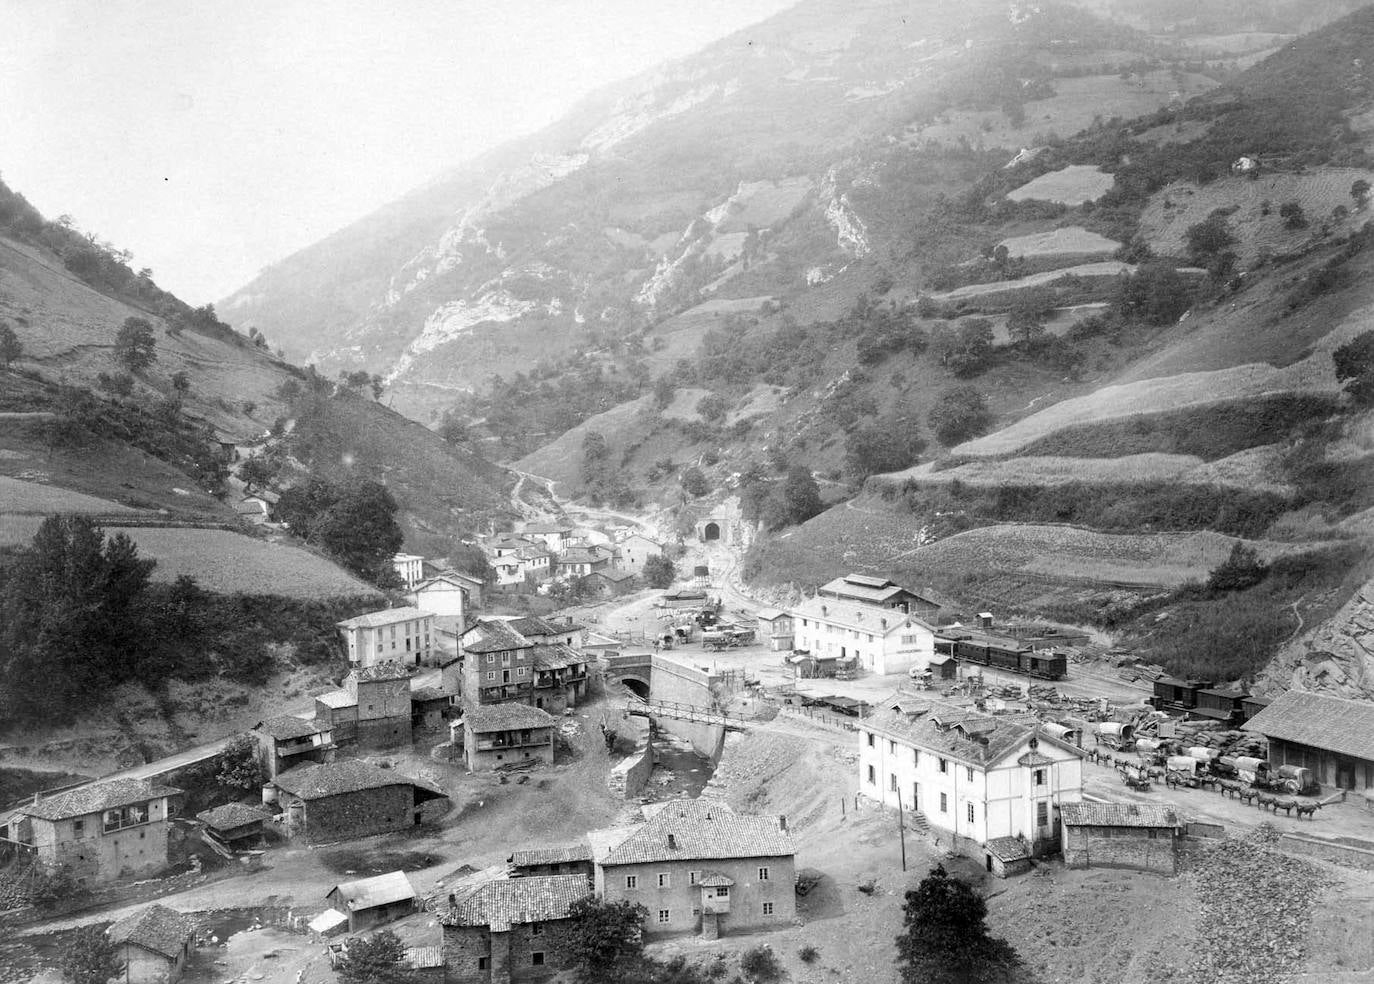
(410, 568)
(405, 635)
(883, 640)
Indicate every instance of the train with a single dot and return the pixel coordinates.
(1003, 654)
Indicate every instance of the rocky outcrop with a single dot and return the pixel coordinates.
(1334, 657)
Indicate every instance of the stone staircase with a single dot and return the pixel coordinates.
(916, 820)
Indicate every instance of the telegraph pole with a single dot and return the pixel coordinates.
(901, 826)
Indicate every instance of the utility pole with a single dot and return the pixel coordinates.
(901, 826)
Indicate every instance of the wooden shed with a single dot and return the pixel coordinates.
(372, 901)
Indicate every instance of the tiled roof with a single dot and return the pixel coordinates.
(956, 732)
(613, 575)
(337, 699)
(311, 782)
(533, 625)
(1335, 724)
(287, 726)
(556, 656)
(482, 718)
(422, 694)
(1118, 815)
(424, 957)
(700, 830)
(504, 902)
(368, 893)
(232, 815)
(714, 879)
(1008, 848)
(96, 798)
(492, 636)
(155, 928)
(770, 614)
(856, 615)
(387, 670)
(456, 578)
(386, 616)
(584, 555)
(581, 851)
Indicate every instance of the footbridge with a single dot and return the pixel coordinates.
(691, 713)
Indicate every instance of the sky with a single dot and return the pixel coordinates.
(212, 137)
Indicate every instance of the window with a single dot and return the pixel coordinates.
(491, 658)
(915, 756)
(483, 963)
(722, 891)
(664, 880)
(970, 813)
(491, 676)
(78, 827)
(871, 742)
(944, 766)
(631, 881)
(891, 746)
(892, 781)
(768, 908)
(537, 958)
(872, 776)
(944, 803)
(1040, 777)
(763, 874)
(693, 877)
(536, 929)
(1042, 814)
(969, 770)
(664, 915)
(520, 672)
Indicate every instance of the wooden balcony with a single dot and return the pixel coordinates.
(713, 904)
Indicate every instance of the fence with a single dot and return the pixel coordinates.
(826, 718)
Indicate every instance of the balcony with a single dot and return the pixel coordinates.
(298, 746)
(513, 740)
(714, 904)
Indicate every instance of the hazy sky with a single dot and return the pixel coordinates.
(211, 138)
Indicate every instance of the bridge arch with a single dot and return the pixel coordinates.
(636, 685)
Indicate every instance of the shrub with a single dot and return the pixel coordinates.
(960, 415)
(761, 964)
(1293, 215)
(808, 954)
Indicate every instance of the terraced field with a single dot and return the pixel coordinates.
(1072, 185)
(1069, 241)
(994, 292)
(33, 498)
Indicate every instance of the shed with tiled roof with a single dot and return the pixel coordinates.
(1121, 835)
(350, 798)
(154, 944)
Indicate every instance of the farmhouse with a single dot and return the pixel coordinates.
(507, 930)
(571, 859)
(405, 634)
(236, 826)
(878, 591)
(697, 866)
(153, 944)
(550, 630)
(349, 799)
(254, 509)
(285, 741)
(883, 639)
(373, 709)
(609, 583)
(560, 677)
(581, 561)
(429, 708)
(1121, 835)
(536, 563)
(410, 568)
(500, 735)
(974, 776)
(370, 902)
(556, 537)
(102, 831)
(498, 663)
(1332, 736)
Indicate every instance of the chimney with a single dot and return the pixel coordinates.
(672, 842)
(782, 823)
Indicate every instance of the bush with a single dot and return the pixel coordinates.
(1293, 215)
(761, 964)
(808, 954)
(961, 414)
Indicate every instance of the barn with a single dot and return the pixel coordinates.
(1332, 736)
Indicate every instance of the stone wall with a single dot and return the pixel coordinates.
(1121, 847)
(384, 732)
(1344, 854)
(465, 947)
(351, 815)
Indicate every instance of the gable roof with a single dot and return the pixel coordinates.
(231, 816)
(482, 718)
(493, 635)
(96, 798)
(581, 851)
(1008, 849)
(386, 616)
(504, 902)
(700, 830)
(1118, 815)
(1332, 723)
(533, 625)
(379, 672)
(316, 781)
(953, 731)
(156, 928)
(857, 615)
(874, 590)
(556, 656)
(285, 726)
(368, 893)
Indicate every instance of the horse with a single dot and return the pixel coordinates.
(1247, 794)
(1310, 808)
(1266, 801)
(1286, 804)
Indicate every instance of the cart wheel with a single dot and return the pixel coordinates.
(1291, 787)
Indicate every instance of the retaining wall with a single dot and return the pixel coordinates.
(1333, 851)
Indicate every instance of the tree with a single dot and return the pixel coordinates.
(1026, 322)
(1242, 569)
(135, 346)
(239, 768)
(694, 482)
(713, 407)
(10, 346)
(181, 383)
(90, 957)
(659, 571)
(379, 959)
(258, 471)
(1209, 245)
(603, 938)
(945, 937)
(1355, 368)
(663, 391)
(968, 349)
(1293, 215)
(887, 445)
(469, 558)
(1156, 294)
(1359, 191)
(361, 532)
(801, 496)
(453, 430)
(378, 386)
(961, 414)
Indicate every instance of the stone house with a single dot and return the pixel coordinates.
(1121, 835)
(429, 708)
(550, 630)
(410, 568)
(556, 537)
(285, 741)
(102, 831)
(1332, 736)
(372, 901)
(153, 944)
(498, 663)
(499, 735)
(349, 799)
(635, 550)
(373, 709)
(581, 561)
(392, 634)
(883, 639)
(974, 777)
(560, 677)
(254, 509)
(507, 930)
(536, 563)
(699, 867)
(610, 583)
(569, 859)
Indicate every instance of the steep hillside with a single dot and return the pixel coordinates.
(153, 446)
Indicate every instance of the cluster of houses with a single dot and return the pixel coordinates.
(540, 553)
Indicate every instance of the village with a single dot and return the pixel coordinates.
(647, 747)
